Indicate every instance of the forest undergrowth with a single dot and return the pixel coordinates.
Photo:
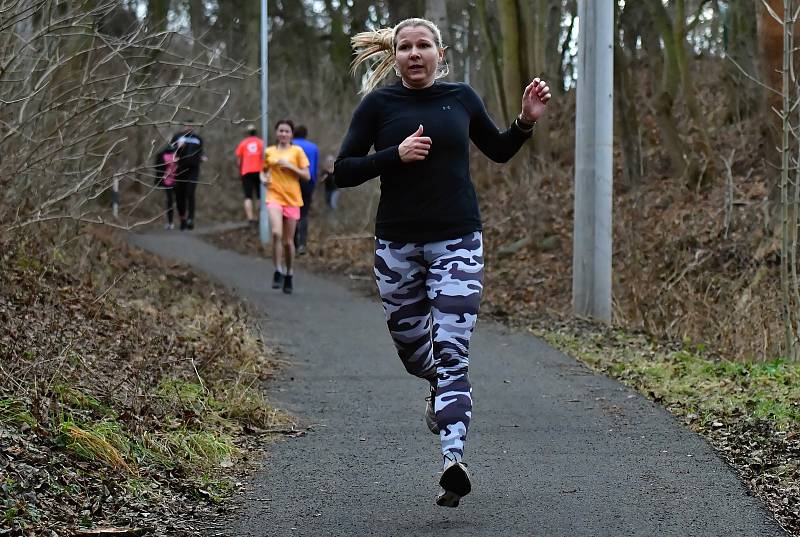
(130, 390)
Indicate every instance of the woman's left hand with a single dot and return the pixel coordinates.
(534, 100)
(283, 163)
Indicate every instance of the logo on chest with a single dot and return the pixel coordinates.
(447, 107)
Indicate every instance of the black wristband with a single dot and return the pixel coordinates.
(524, 125)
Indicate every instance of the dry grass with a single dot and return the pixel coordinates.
(131, 374)
(92, 444)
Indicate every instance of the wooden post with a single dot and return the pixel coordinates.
(115, 198)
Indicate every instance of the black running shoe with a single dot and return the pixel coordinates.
(287, 284)
(455, 483)
(183, 225)
(190, 224)
(277, 280)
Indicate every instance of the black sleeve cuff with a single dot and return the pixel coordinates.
(526, 128)
(386, 159)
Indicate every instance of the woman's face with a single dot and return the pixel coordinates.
(417, 56)
(283, 133)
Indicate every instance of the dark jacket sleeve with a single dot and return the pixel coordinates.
(202, 151)
(498, 146)
(353, 166)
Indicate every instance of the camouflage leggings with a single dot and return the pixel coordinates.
(431, 293)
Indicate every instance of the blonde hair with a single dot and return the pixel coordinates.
(378, 48)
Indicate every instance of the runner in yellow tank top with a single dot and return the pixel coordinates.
(284, 188)
(285, 165)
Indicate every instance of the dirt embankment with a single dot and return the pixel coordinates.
(129, 390)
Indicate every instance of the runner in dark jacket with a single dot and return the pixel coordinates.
(188, 148)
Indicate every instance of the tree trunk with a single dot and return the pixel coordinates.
(492, 56)
(157, 12)
(436, 12)
(788, 94)
(359, 15)
(460, 16)
(683, 162)
(511, 58)
(540, 28)
(551, 66)
(739, 36)
(405, 9)
(572, 9)
(627, 116)
(339, 42)
(771, 47)
(697, 117)
(199, 23)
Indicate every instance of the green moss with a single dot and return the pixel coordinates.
(688, 380)
(75, 399)
(204, 448)
(10, 514)
(13, 412)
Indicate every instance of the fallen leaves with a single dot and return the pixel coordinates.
(85, 416)
(118, 532)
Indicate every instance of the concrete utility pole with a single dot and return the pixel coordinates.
(263, 219)
(591, 257)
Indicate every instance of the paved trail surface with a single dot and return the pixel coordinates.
(554, 450)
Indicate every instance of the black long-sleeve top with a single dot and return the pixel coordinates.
(433, 199)
(188, 148)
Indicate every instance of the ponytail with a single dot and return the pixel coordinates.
(376, 46)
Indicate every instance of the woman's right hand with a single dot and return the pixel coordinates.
(265, 178)
(415, 147)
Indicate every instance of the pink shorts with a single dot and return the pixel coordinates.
(288, 211)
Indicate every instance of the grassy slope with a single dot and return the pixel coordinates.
(749, 411)
(128, 389)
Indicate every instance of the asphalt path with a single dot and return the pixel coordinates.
(554, 450)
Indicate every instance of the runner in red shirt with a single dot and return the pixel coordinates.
(250, 157)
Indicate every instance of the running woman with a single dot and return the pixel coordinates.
(165, 170)
(285, 165)
(428, 245)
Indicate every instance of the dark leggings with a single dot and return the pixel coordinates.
(185, 185)
(170, 204)
(301, 233)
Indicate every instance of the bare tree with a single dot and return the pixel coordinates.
(80, 84)
(789, 183)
